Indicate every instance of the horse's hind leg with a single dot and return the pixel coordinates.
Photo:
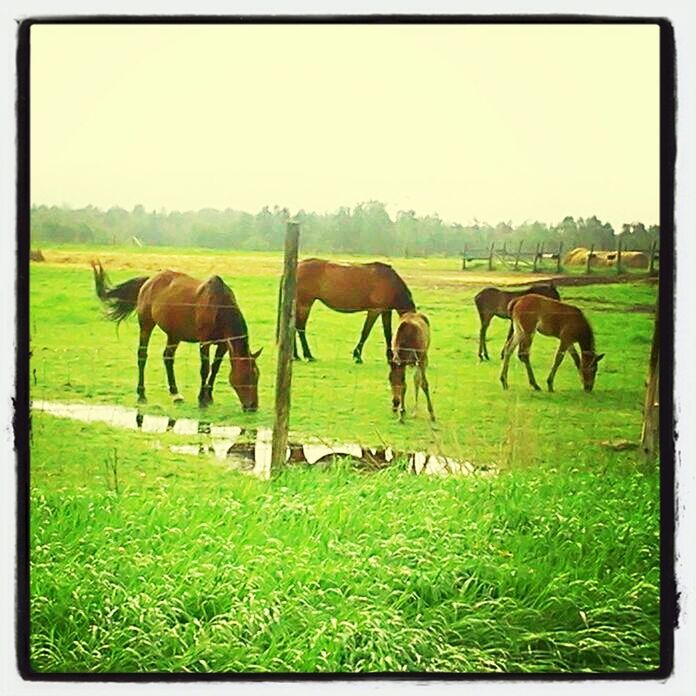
(485, 321)
(146, 328)
(426, 390)
(508, 350)
(367, 327)
(510, 331)
(300, 324)
(523, 353)
(168, 356)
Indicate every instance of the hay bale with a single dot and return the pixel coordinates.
(36, 255)
(576, 257)
(635, 259)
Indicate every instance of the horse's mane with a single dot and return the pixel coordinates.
(586, 335)
(229, 315)
(404, 297)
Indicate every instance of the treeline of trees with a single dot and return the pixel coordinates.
(367, 228)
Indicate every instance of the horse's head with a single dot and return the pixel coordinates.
(244, 379)
(397, 373)
(588, 368)
(553, 293)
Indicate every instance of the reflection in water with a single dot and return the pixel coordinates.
(255, 458)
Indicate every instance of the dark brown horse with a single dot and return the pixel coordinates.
(551, 318)
(351, 287)
(492, 302)
(410, 347)
(191, 311)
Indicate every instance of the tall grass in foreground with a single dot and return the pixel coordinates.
(190, 567)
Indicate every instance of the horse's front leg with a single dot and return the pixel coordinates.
(220, 351)
(483, 350)
(204, 398)
(387, 326)
(367, 327)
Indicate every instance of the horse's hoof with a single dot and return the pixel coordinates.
(358, 359)
(311, 358)
(142, 400)
(176, 398)
(536, 387)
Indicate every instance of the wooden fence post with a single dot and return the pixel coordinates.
(558, 260)
(536, 258)
(589, 258)
(464, 259)
(286, 340)
(649, 438)
(517, 258)
(618, 257)
(490, 257)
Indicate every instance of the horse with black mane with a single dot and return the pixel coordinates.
(351, 287)
(186, 310)
(493, 302)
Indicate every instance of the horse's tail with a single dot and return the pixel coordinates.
(120, 300)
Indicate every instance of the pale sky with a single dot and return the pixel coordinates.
(493, 122)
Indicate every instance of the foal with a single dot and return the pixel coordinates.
(551, 318)
(492, 302)
(410, 347)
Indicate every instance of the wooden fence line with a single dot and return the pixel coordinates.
(540, 254)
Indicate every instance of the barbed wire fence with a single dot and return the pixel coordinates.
(334, 400)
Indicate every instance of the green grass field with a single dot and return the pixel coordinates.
(191, 566)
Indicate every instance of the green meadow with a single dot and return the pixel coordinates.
(147, 560)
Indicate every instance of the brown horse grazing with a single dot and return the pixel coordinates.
(551, 318)
(351, 287)
(492, 302)
(191, 311)
(410, 347)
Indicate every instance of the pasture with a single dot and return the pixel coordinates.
(188, 566)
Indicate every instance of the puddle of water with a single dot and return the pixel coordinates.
(155, 424)
(185, 426)
(314, 452)
(254, 457)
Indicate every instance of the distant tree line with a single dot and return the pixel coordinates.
(367, 229)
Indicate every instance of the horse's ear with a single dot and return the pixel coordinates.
(257, 353)
(598, 358)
